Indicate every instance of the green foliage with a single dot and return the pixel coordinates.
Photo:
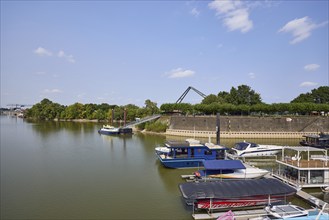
(239, 101)
(319, 96)
(210, 99)
(47, 110)
(243, 95)
(156, 126)
(184, 108)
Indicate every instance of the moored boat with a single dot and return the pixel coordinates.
(249, 149)
(228, 169)
(109, 130)
(314, 140)
(235, 194)
(286, 211)
(188, 154)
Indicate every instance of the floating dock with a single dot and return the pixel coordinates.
(243, 214)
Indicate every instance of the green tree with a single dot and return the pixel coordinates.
(244, 95)
(223, 97)
(151, 107)
(210, 99)
(319, 95)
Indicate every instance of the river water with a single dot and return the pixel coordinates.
(66, 170)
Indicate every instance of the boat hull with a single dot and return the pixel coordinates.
(239, 176)
(106, 132)
(260, 153)
(237, 203)
(180, 163)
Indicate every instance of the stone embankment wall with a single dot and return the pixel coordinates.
(246, 126)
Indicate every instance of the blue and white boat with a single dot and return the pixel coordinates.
(189, 154)
(109, 130)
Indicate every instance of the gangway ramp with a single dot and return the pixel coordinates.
(142, 120)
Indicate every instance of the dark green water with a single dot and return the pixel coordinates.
(66, 170)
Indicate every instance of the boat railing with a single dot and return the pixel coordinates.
(314, 163)
(302, 180)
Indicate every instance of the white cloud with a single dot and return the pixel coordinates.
(300, 28)
(180, 73)
(195, 12)
(52, 91)
(311, 67)
(234, 14)
(308, 84)
(67, 57)
(252, 75)
(40, 51)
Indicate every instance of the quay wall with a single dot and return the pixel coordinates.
(247, 126)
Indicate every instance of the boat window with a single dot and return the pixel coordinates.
(317, 176)
(220, 154)
(253, 145)
(241, 145)
(208, 152)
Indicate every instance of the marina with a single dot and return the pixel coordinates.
(60, 161)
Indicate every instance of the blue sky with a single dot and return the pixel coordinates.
(124, 52)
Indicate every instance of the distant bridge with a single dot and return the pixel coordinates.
(142, 120)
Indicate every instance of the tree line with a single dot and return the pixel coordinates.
(239, 101)
(48, 110)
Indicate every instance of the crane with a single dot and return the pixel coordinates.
(180, 99)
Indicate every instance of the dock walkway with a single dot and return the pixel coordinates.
(312, 200)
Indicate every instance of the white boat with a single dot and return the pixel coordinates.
(109, 130)
(228, 169)
(248, 149)
(286, 211)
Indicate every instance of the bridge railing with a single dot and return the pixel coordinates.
(142, 120)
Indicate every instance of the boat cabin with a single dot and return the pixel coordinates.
(320, 141)
(206, 151)
(189, 153)
(309, 167)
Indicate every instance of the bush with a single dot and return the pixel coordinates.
(156, 127)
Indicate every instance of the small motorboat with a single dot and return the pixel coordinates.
(286, 211)
(228, 169)
(109, 130)
(248, 149)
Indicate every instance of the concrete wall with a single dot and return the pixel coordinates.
(251, 124)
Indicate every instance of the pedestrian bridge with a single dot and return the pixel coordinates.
(142, 120)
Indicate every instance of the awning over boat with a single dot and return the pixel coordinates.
(235, 189)
(223, 164)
